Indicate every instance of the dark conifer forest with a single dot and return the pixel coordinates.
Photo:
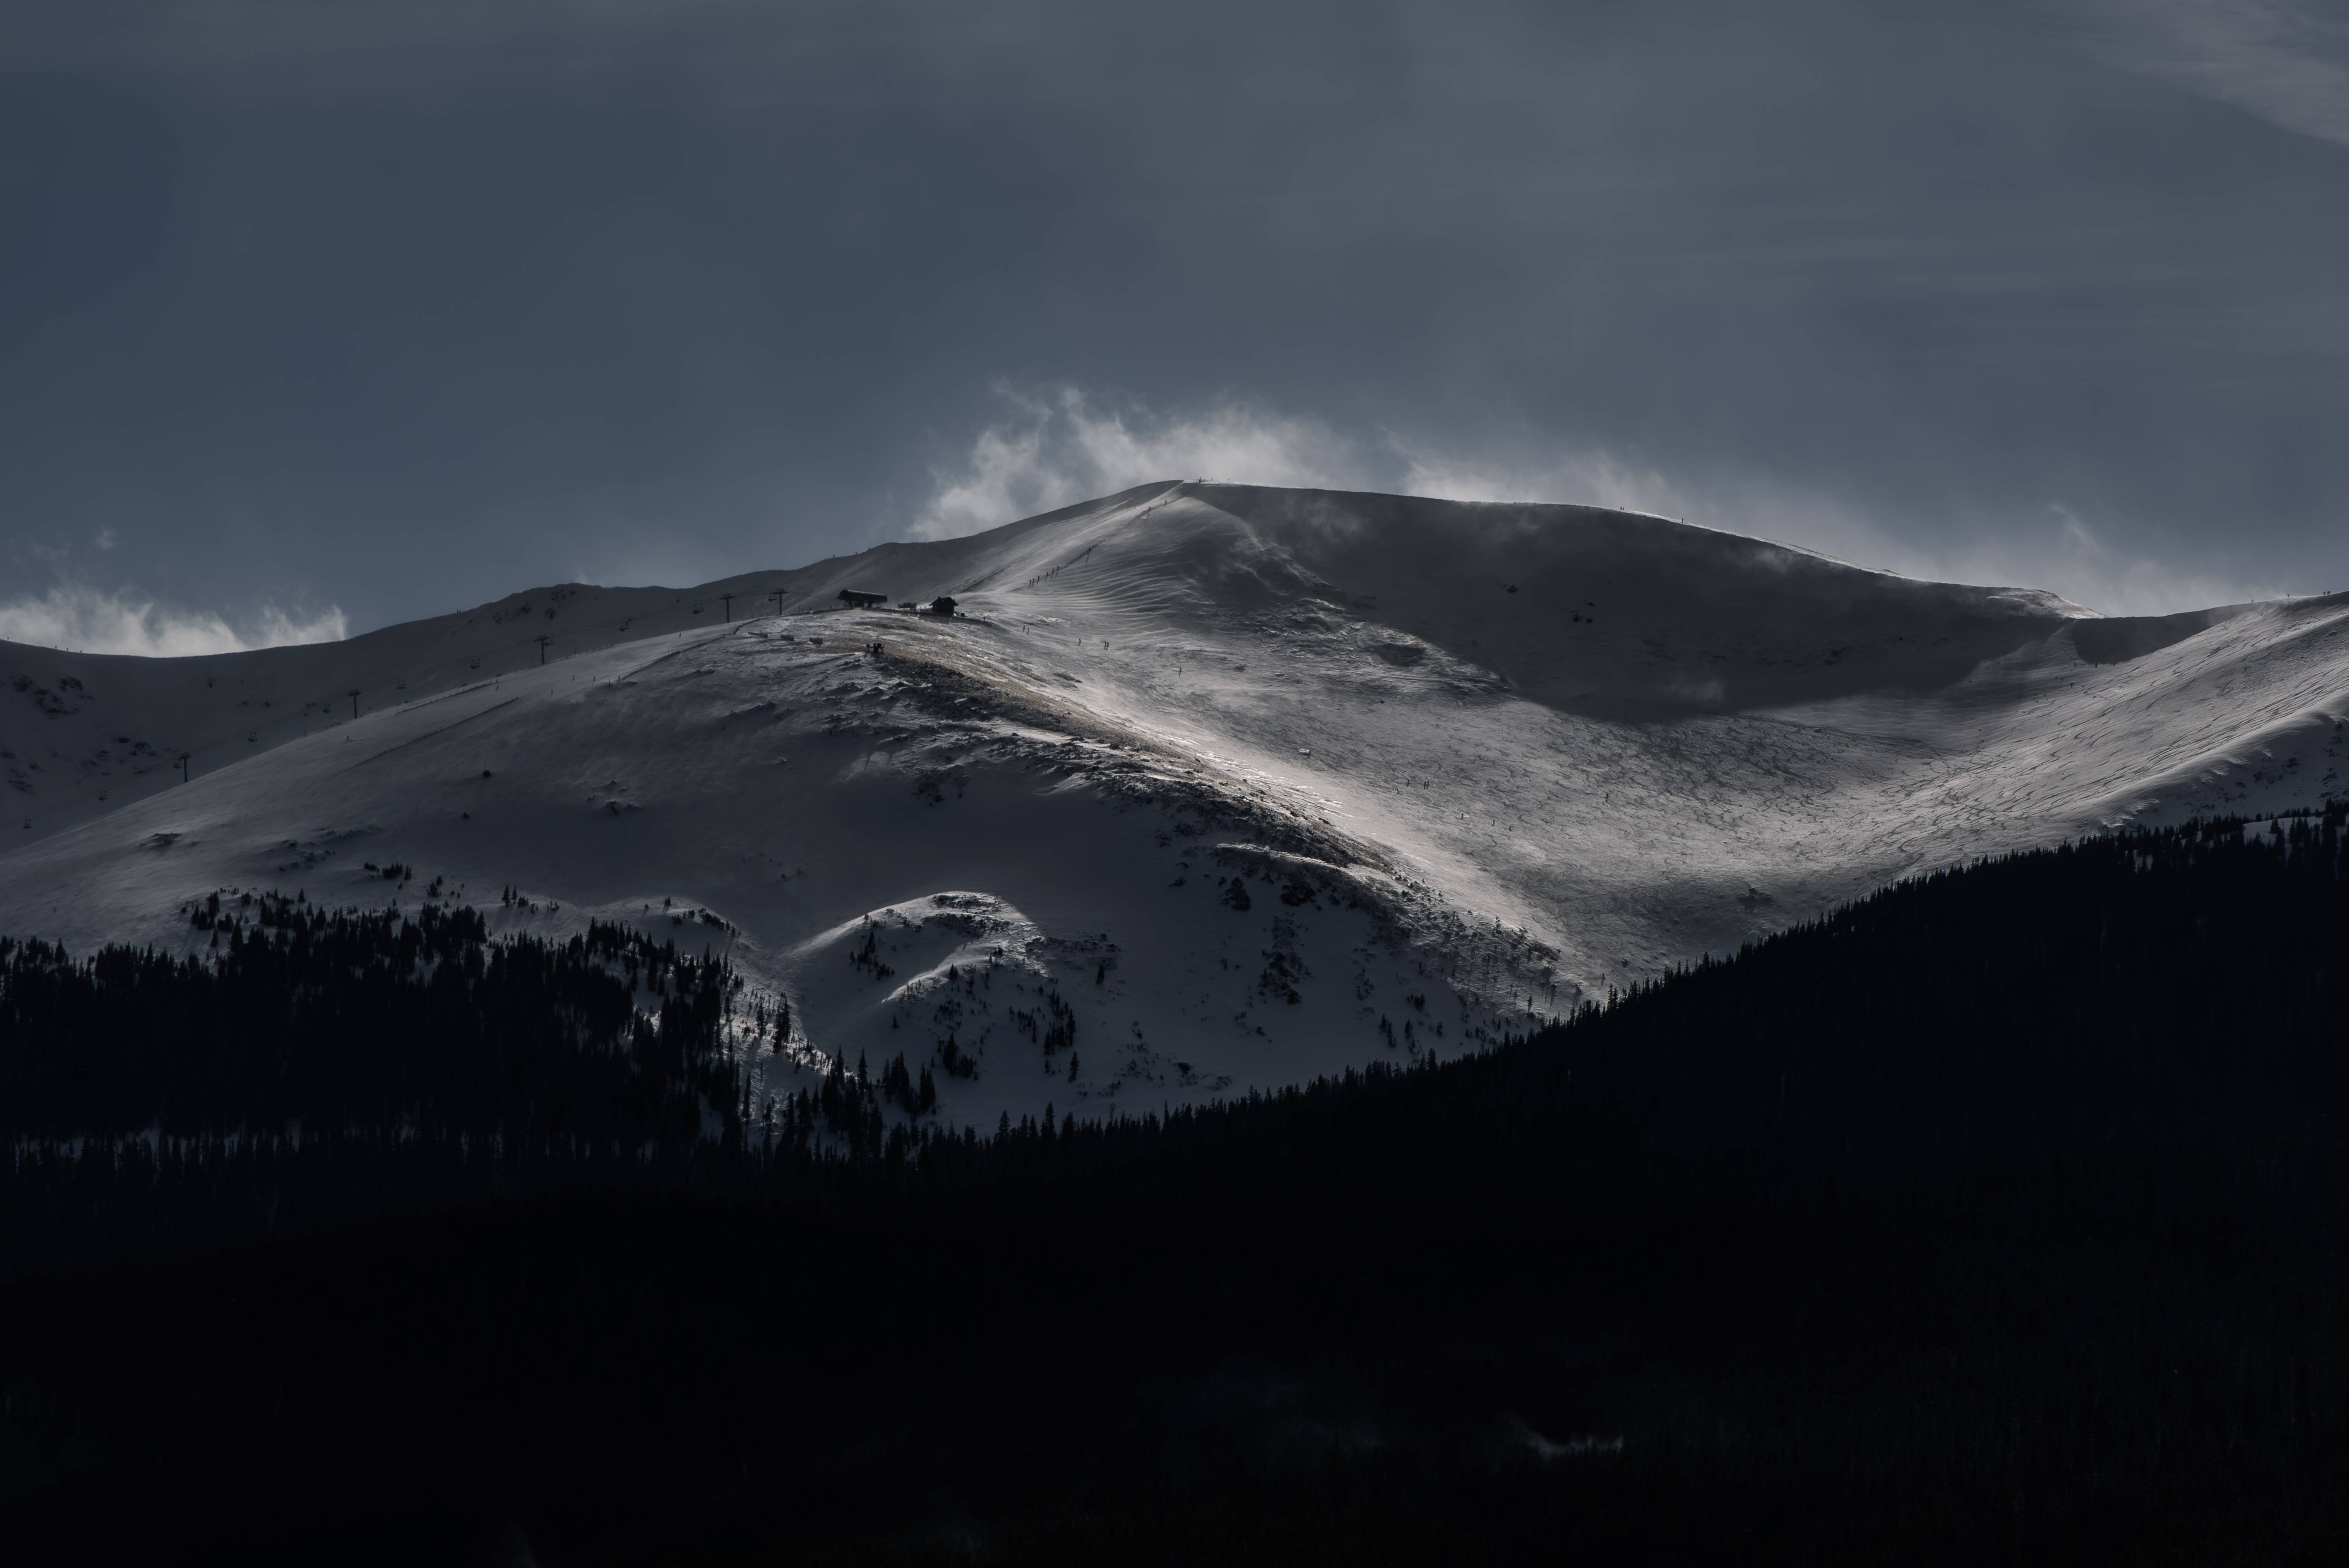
(2002, 1216)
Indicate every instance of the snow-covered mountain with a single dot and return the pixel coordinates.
(1204, 786)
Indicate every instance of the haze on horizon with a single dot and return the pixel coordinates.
(313, 320)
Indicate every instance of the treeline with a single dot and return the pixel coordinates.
(2178, 991)
(295, 1018)
(308, 1065)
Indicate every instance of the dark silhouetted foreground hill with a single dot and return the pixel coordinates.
(1998, 1217)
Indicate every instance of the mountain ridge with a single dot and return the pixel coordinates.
(1244, 779)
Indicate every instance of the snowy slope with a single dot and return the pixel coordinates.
(1210, 787)
(82, 733)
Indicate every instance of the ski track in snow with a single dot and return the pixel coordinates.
(1468, 764)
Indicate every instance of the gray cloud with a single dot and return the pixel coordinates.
(404, 306)
(2277, 59)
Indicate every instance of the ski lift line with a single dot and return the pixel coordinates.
(429, 734)
(252, 733)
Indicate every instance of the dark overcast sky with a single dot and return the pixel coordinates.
(392, 309)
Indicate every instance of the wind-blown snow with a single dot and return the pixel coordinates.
(1210, 787)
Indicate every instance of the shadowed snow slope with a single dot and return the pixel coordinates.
(1208, 787)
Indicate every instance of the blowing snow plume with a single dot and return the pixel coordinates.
(95, 621)
(1056, 448)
